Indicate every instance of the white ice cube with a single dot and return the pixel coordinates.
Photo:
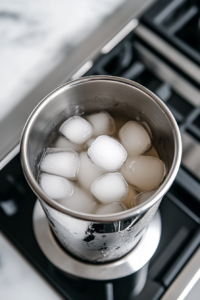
(56, 187)
(107, 153)
(109, 188)
(143, 172)
(102, 123)
(142, 197)
(134, 138)
(63, 163)
(62, 142)
(80, 201)
(112, 208)
(88, 171)
(77, 130)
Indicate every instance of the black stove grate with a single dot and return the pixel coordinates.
(177, 21)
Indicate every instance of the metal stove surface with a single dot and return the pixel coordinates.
(134, 58)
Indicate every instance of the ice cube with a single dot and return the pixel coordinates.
(77, 130)
(112, 208)
(143, 172)
(80, 201)
(102, 123)
(62, 142)
(127, 200)
(56, 187)
(63, 163)
(89, 143)
(88, 171)
(107, 153)
(109, 188)
(142, 197)
(134, 138)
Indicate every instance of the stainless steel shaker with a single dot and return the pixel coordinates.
(93, 238)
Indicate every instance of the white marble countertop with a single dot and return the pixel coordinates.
(36, 35)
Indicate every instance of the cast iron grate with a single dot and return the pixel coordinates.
(177, 21)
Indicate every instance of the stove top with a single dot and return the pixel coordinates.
(178, 22)
(134, 58)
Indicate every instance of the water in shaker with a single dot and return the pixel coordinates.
(101, 164)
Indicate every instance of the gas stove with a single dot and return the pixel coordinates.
(161, 54)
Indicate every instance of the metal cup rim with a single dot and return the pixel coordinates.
(110, 217)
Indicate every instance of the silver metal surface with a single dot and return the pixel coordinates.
(166, 73)
(169, 52)
(11, 127)
(127, 265)
(80, 72)
(86, 95)
(186, 281)
(119, 36)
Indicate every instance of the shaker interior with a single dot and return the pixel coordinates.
(91, 96)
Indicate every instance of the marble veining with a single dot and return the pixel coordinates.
(36, 35)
